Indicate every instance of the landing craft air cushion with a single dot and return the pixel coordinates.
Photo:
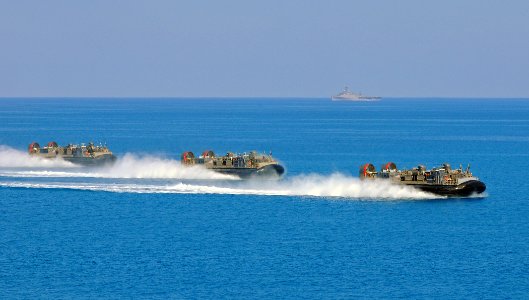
(245, 165)
(87, 155)
(441, 181)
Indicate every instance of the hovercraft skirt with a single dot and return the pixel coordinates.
(464, 189)
(274, 170)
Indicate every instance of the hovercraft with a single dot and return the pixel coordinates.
(244, 165)
(87, 155)
(442, 180)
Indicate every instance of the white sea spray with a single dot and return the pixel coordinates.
(171, 177)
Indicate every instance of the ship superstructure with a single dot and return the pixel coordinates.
(347, 95)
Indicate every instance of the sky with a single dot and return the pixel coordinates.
(273, 48)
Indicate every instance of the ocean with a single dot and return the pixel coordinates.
(148, 228)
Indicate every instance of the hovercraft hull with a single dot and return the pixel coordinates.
(464, 189)
(91, 161)
(273, 170)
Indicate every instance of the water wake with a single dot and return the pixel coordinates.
(12, 158)
(15, 163)
(148, 174)
(132, 166)
(336, 185)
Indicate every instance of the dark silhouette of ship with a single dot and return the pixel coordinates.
(244, 165)
(442, 180)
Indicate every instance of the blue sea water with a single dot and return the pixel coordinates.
(146, 228)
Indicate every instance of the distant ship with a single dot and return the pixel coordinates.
(88, 155)
(245, 165)
(347, 95)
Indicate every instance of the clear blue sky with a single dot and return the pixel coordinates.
(470, 48)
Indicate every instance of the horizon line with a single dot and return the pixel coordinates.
(252, 97)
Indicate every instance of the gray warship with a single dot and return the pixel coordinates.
(442, 180)
(347, 95)
(87, 155)
(246, 165)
